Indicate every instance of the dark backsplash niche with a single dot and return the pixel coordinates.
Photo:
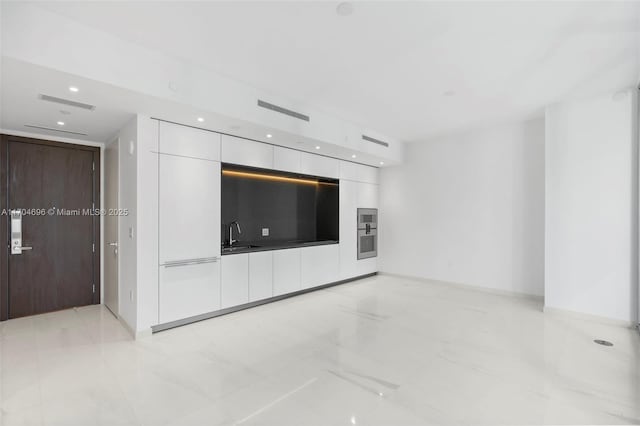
(292, 211)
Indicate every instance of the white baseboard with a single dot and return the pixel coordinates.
(468, 286)
(589, 317)
(136, 335)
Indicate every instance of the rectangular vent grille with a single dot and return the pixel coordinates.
(54, 130)
(67, 102)
(374, 140)
(281, 110)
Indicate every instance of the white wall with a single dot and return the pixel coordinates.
(591, 207)
(127, 248)
(468, 209)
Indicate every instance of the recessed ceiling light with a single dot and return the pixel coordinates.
(269, 135)
(73, 89)
(382, 163)
(353, 156)
(60, 123)
(344, 9)
(317, 147)
(200, 119)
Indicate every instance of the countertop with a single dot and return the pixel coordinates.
(240, 247)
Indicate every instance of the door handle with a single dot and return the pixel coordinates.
(25, 248)
(113, 244)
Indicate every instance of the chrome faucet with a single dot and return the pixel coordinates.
(231, 240)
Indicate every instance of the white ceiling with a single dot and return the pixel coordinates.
(392, 66)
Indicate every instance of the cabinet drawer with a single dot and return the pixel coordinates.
(188, 290)
(189, 142)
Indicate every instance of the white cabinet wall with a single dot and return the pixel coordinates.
(193, 277)
(319, 265)
(317, 165)
(247, 153)
(286, 159)
(286, 271)
(188, 222)
(235, 280)
(260, 275)
(188, 142)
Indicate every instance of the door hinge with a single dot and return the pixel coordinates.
(93, 166)
(94, 288)
(93, 247)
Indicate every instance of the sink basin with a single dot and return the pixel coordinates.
(239, 247)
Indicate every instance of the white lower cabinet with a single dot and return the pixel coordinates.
(235, 280)
(260, 275)
(188, 290)
(319, 265)
(286, 271)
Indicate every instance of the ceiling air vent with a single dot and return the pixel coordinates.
(374, 140)
(281, 110)
(67, 102)
(54, 130)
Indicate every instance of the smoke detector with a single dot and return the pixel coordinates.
(344, 9)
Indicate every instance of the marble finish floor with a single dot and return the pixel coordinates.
(380, 351)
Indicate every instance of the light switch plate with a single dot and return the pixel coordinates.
(265, 232)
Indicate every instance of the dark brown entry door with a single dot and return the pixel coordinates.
(54, 187)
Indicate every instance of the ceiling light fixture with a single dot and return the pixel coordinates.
(269, 135)
(353, 156)
(344, 9)
(60, 123)
(382, 163)
(200, 119)
(73, 89)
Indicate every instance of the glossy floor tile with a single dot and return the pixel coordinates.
(380, 351)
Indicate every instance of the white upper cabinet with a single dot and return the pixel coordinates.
(367, 196)
(317, 165)
(189, 142)
(286, 159)
(247, 153)
(358, 172)
(189, 208)
(367, 174)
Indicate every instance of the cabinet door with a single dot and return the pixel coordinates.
(317, 165)
(260, 275)
(286, 271)
(235, 280)
(188, 142)
(348, 229)
(319, 265)
(188, 290)
(367, 196)
(286, 159)
(189, 208)
(246, 152)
